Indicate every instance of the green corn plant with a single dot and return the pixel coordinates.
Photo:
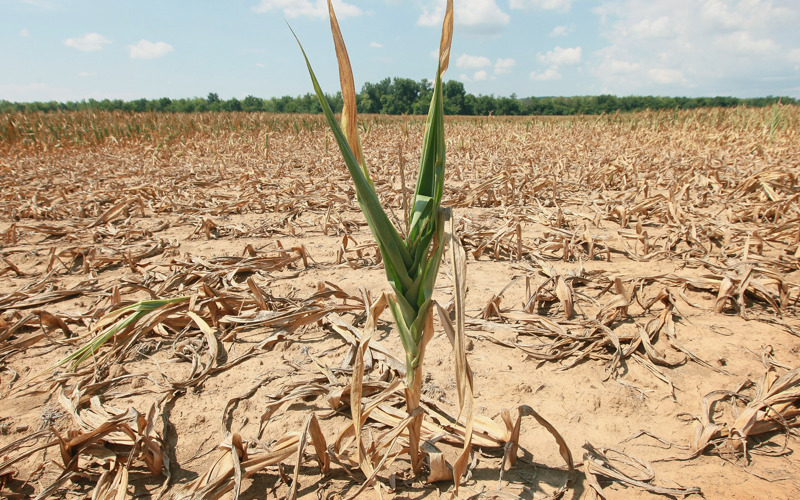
(411, 261)
(117, 326)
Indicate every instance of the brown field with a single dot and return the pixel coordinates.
(633, 279)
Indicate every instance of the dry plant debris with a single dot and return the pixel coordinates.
(627, 275)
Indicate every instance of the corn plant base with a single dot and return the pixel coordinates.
(413, 394)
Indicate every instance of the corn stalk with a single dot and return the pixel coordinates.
(411, 262)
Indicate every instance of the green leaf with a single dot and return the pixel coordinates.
(391, 245)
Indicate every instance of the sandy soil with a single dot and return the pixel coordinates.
(185, 207)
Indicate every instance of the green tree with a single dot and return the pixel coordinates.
(454, 95)
(400, 100)
(139, 105)
(372, 94)
(507, 105)
(252, 104)
(161, 105)
(232, 104)
(424, 95)
(485, 105)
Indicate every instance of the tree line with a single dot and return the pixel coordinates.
(397, 96)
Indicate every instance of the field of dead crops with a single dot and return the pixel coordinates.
(185, 302)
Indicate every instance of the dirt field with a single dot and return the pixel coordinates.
(633, 279)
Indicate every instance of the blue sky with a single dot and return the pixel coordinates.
(126, 49)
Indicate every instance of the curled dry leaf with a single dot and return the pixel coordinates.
(774, 407)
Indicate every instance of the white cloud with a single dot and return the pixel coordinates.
(503, 66)
(562, 57)
(431, 16)
(146, 49)
(375, 45)
(472, 62)
(653, 28)
(86, 74)
(743, 43)
(308, 8)
(560, 31)
(708, 45)
(562, 5)
(666, 76)
(477, 17)
(479, 76)
(24, 33)
(617, 67)
(548, 75)
(89, 42)
(481, 15)
(745, 14)
(554, 59)
(718, 12)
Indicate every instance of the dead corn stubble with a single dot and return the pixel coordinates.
(633, 285)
